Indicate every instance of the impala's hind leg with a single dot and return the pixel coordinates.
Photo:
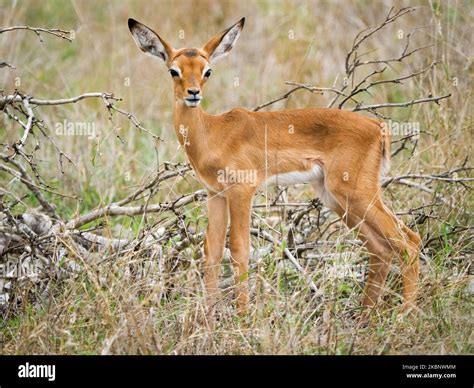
(353, 214)
(401, 241)
(394, 239)
(410, 264)
(385, 237)
(380, 260)
(381, 255)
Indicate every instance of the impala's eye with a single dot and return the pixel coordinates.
(174, 73)
(208, 73)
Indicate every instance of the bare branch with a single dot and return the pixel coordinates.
(401, 104)
(62, 101)
(446, 176)
(153, 183)
(59, 33)
(116, 210)
(28, 125)
(108, 99)
(283, 97)
(23, 176)
(352, 62)
(316, 89)
(262, 234)
(364, 35)
(111, 107)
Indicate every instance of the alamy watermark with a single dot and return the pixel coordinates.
(76, 128)
(19, 268)
(229, 175)
(346, 271)
(28, 370)
(402, 128)
(12, 269)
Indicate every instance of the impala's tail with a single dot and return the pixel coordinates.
(386, 145)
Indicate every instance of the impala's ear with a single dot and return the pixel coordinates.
(222, 43)
(149, 41)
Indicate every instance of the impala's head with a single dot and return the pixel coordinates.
(190, 68)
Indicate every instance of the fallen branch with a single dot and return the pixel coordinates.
(116, 210)
(268, 237)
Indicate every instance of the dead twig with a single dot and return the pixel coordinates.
(266, 236)
(57, 32)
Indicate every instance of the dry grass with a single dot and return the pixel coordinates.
(135, 302)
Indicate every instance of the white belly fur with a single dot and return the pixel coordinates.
(291, 178)
(315, 176)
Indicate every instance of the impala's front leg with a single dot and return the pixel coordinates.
(217, 214)
(240, 204)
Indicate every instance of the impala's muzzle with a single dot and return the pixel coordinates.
(193, 98)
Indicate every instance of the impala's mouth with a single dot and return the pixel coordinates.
(192, 101)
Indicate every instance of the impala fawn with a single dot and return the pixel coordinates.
(340, 153)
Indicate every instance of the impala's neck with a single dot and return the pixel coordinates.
(191, 129)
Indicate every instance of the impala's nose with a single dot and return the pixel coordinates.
(193, 92)
(194, 98)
